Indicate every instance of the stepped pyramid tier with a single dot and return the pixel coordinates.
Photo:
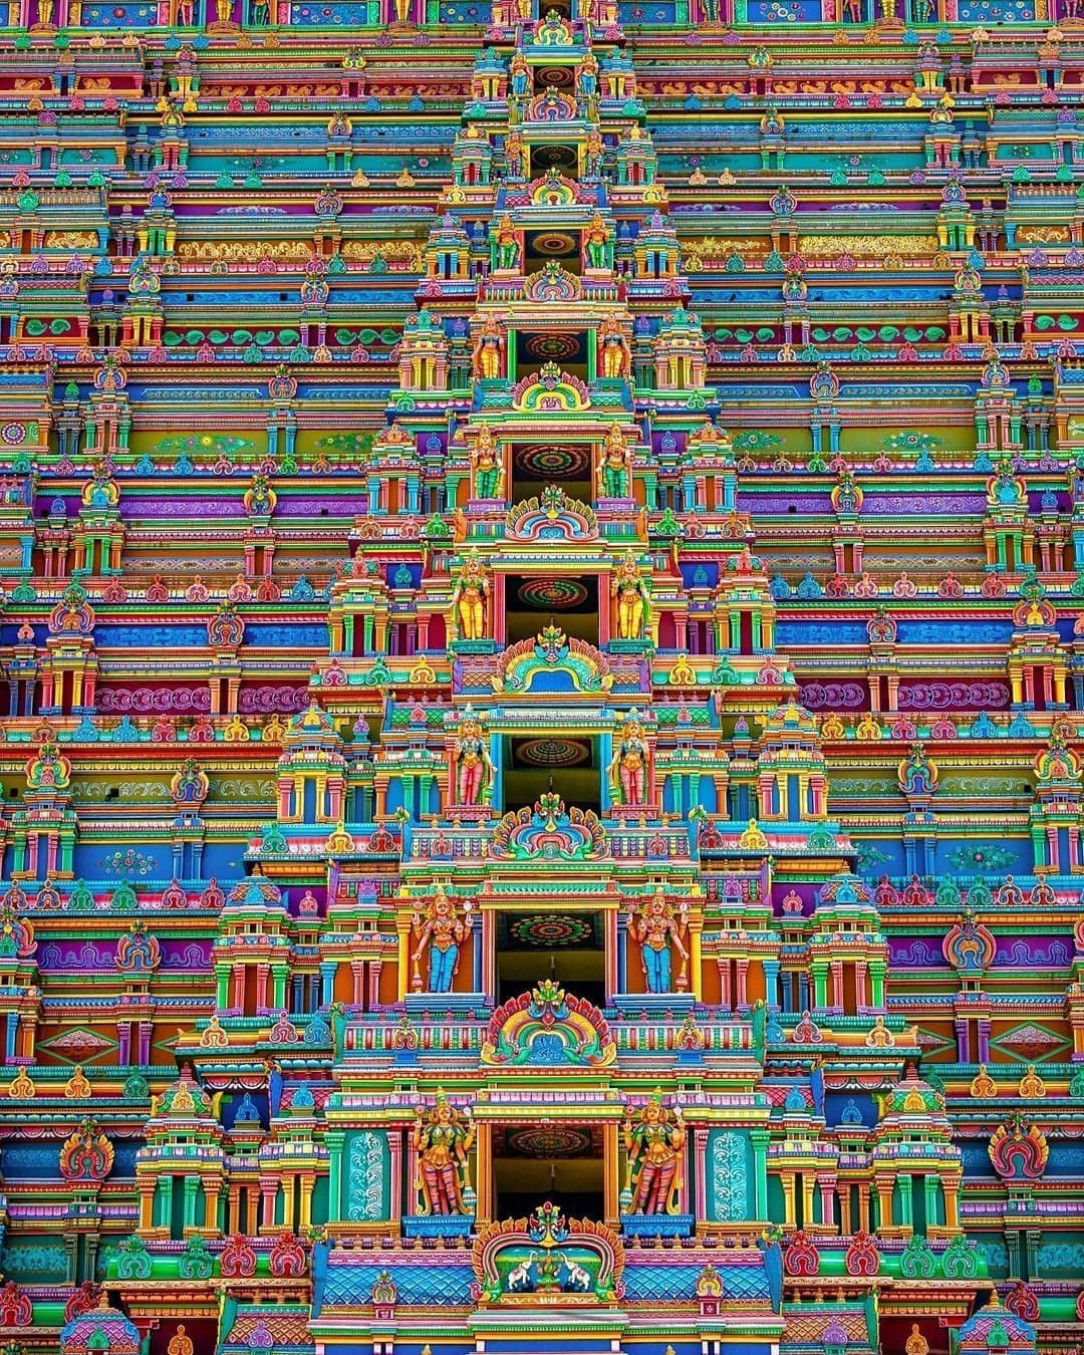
(541, 558)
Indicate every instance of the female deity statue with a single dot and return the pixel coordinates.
(587, 77)
(656, 930)
(655, 1148)
(614, 348)
(507, 245)
(633, 599)
(487, 466)
(628, 769)
(441, 932)
(487, 361)
(469, 599)
(519, 72)
(442, 1141)
(473, 765)
(596, 238)
(615, 465)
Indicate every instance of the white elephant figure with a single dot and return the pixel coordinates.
(519, 1278)
(577, 1277)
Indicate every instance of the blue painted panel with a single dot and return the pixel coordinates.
(285, 636)
(30, 1161)
(151, 637)
(123, 15)
(820, 633)
(836, 1103)
(124, 1158)
(658, 13)
(335, 15)
(444, 1284)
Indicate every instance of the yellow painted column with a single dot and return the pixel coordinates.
(610, 1168)
(210, 1204)
(146, 1205)
(696, 977)
(884, 1204)
(788, 1198)
(808, 1182)
(403, 926)
(952, 1203)
(483, 1167)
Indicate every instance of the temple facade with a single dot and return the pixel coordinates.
(541, 575)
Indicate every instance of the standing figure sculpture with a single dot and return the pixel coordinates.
(633, 599)
(513, 154)
(628, 767)
(519, 72)
(469, 599)
(614, 466)
(656, 930)
(441, 932)
(473, 765)
(614, 349)
(442, 1141)
(487, 361)
(596, 238)
(507, 244)
(487, 466)
(587, 80)
(655, 1148)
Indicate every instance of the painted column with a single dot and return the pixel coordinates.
(334, 1140)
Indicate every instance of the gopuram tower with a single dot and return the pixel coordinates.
(542, 796)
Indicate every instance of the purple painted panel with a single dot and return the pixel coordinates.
(916, 952)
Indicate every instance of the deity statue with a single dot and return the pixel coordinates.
(596, 244)
(519, 72)
(487, 466)
(473, 765)
(593, 150)
(513, 154)
(655, 1148)
(615, 465)
(442, 931)
(442, 1141)
(469, 599)
(656, 930)
(633, 599)
(507, 245)
(487, 360)
(628, 768)
(614, 349)
(587, 77)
